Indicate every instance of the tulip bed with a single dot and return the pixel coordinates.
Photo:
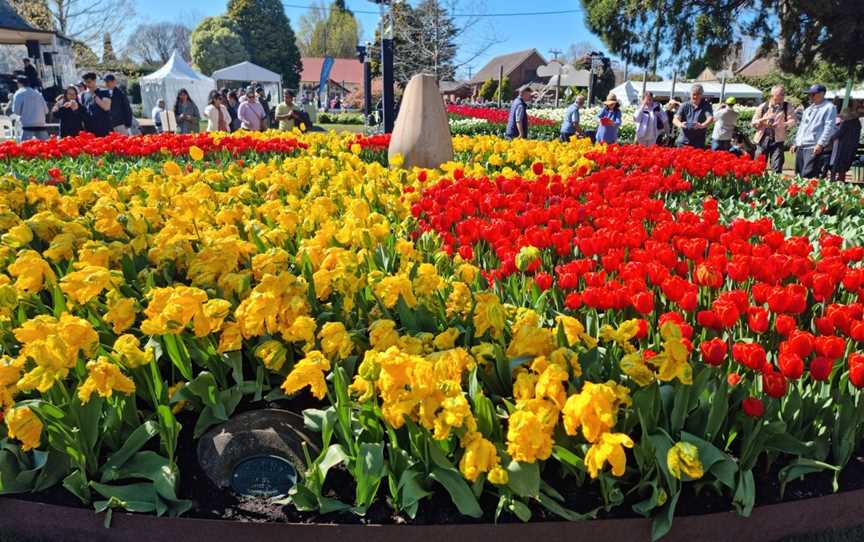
(535, 330)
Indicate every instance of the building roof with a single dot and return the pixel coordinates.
(510, 62)
(345, 70)
(451, 86)
(758, 66)
(710, 75)
(15, 30)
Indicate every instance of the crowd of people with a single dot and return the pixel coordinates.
(100, 107)
(229, 110)
(88, 106)
(825, 143)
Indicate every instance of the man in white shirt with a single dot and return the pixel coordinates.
(31, 109)
(156, 115)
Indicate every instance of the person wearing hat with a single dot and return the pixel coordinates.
(693, 118)
(31, 109)
(724, 126)
(517, 120)
(121, 110)
(814, 134)
(610, 120)
(773, 120)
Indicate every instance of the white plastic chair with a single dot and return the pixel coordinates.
(7, 129)
(169, 121)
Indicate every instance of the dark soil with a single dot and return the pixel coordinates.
(212, 502)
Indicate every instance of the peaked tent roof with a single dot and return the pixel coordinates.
(246, 71)
(15, 30)
(176, 68)
(510, 62)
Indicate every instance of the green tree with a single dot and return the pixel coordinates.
(506, 93)
(35, 12)
(108, 56)
(830, 30)
(489, 89)
(268, 37)
(216, 43)
(329, 32)
(424, 39)
(650, 33)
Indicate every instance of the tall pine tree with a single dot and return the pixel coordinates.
(268, 37)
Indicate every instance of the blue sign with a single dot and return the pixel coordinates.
(326, 68)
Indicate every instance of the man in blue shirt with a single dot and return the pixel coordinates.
(570, 125)
(517, 122)
(31, 109)
(814, 134)
(693, 119)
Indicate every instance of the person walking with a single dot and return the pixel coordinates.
(693, 119)
(571, 126)
(517, 120)
(121, 110)
(724, 126)
(156, 115)
(772, 120)
(97, 107)
(251, 113)
(846, 138)
(69, 112)
(814, 134)
(218, 118)
(610, 120)
(187, 114)
(30, 106)
(232, 103)
(650, 121)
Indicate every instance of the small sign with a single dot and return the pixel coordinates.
(264, 476)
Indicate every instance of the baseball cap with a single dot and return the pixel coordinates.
(109, 77)
(815, 89)
(22, 79)
(731, 100)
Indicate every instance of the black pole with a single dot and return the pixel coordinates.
(387, 98)
(367, 89)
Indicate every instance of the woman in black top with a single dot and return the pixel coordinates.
(69, 112)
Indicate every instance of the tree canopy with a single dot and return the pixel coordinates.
(332, 31)
(216, 43)
(268, 37)
(152, 44)
(652, 33)
(424, 40)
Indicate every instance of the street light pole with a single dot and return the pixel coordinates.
(387, 97)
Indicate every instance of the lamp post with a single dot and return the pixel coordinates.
(362, 56)
(387, 97)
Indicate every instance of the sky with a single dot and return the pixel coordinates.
(511, 33)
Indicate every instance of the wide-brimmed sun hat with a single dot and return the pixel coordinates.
(611, 99)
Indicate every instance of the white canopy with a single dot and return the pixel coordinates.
(167, 81)
(857, 94)
(630, 92)
(248, 72)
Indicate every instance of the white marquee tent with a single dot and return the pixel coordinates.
(630, 92)
(248, 72)
(167, 81)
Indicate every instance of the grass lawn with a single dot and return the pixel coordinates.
(353, 128)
